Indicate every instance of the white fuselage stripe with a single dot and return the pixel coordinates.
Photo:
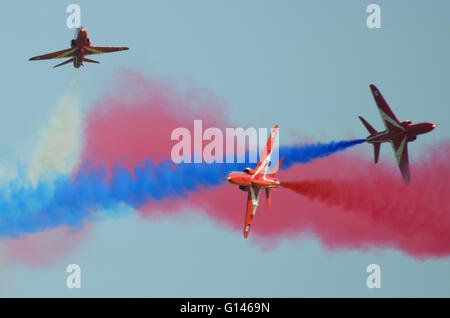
(387, 118)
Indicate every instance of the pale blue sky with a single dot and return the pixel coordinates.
(305, 64)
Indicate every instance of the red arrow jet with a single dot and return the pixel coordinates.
(80, 47)
(255, 180)
(397, 133)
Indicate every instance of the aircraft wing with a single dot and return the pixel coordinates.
(55, 55)
(264, 160)
(390, 121)
(103, 49)
(252, 203)
(400, 146)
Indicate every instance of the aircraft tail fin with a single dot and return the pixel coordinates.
(65, 62)
(90, 61)
(276, 168)
(268, 197)
(376, 151)
(272, 174)
(371, 130)
(264, 160)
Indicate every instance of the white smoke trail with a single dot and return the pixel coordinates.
(59, 146)
(57, 151)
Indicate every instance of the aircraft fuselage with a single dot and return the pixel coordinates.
(410, 130)
(244, 179)
(80, 42)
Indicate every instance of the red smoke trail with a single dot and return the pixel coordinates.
(46, 249)
(363, 206)
(137, 121)
(371, 208)
(414, 218)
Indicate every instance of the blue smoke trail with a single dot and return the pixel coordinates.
(90, 195)
(304, 153)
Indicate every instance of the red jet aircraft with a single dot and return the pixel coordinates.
(397, 133)
(255, 180)
(80, 46)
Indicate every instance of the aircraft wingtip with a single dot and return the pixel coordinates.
(373, 88)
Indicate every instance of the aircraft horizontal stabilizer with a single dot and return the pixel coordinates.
(90, 61)
(65, 62)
